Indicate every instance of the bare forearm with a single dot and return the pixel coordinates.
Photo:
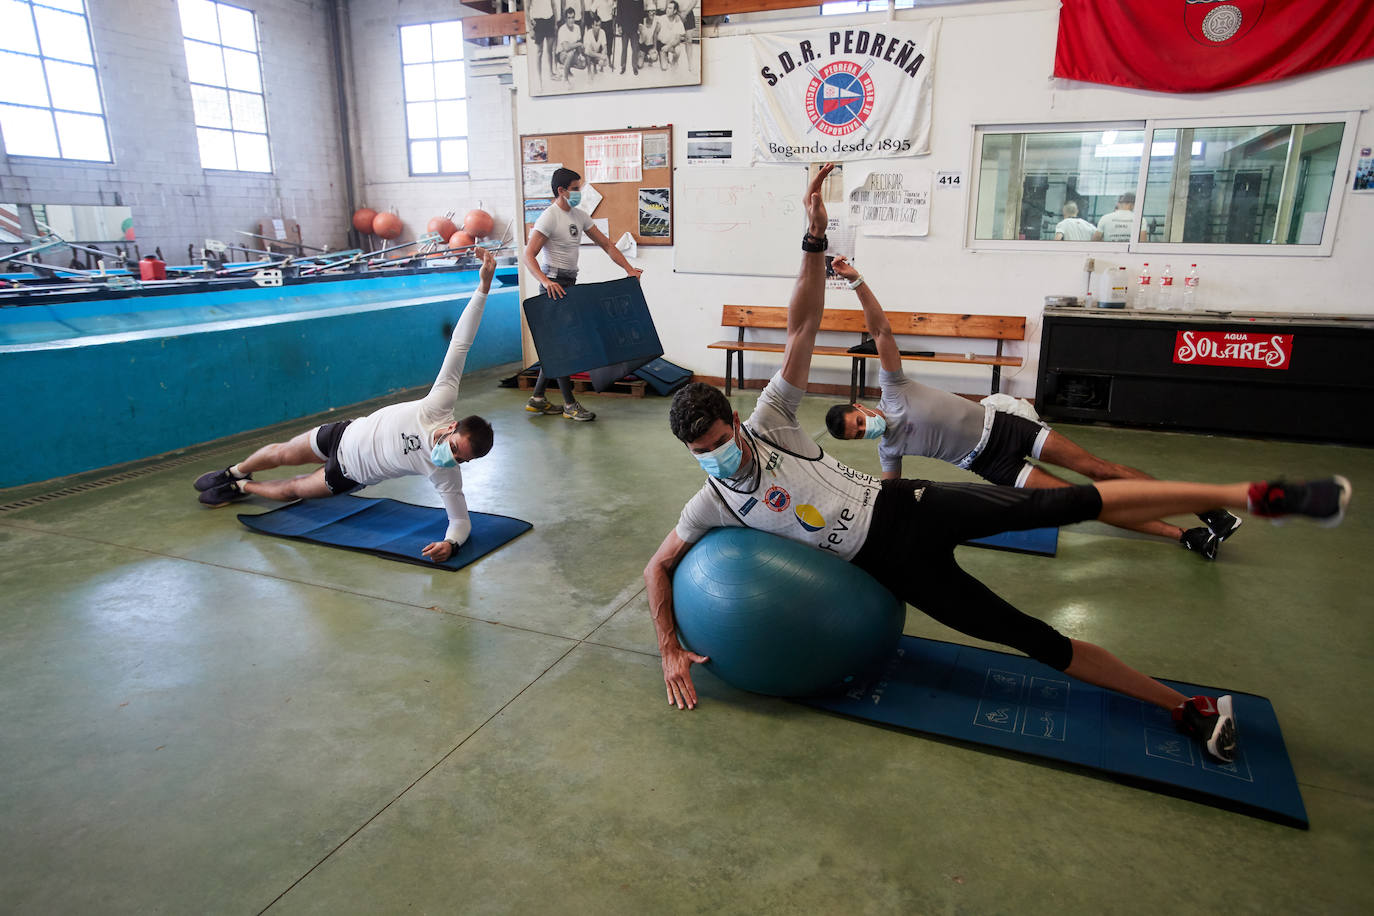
(533, 267)
(660, 588)
(874, 316)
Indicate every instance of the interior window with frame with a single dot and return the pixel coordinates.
(50, 102)
(1243, 183)
(435, 89)
(225, 71)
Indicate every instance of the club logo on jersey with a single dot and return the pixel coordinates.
(810, 518)
(409, 443)
(1219, 22)
(750, 504)
(840, 97)
(777, 499)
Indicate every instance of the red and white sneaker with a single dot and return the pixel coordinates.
(1211, 722)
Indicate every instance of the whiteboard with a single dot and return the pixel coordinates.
(739, 221)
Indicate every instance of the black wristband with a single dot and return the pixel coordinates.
(814, 243)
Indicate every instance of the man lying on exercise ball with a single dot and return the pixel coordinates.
(767, 473)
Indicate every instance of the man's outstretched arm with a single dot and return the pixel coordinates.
(808, 296)
(889, 357)
(677, 661)
(445, 391)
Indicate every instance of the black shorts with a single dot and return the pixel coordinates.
(326, 442)
(910, 550)
(544, 29)
(1010, 441)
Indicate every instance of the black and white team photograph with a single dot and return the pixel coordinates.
(603, 45)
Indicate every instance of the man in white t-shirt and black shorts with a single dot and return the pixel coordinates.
(766, 473)
(413, 437)
(557, 235)
(919, 420)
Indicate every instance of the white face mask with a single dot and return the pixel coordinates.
(874, 423)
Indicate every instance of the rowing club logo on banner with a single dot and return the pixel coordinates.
(1220, 22)
(833, 95)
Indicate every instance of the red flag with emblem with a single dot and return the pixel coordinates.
(1205, 45)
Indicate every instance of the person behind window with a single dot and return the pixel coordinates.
(1071, 228)
(1116, 226)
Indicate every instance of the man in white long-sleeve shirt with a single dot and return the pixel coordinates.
(414, 437)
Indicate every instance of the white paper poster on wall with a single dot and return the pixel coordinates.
(888, 198)
(844, 93)
(613, 157)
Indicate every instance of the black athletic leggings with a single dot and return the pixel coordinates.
(910, 549)
(564, 382)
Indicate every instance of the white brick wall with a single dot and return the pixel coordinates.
(156, 169)
(384, 168)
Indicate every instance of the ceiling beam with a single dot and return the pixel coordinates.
(494, 26)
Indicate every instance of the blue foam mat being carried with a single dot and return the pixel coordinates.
(1018, 704)
(594, 326)
(385, 527)
(1041, 541)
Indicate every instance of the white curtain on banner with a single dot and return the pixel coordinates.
(888, 198)
(861, 92)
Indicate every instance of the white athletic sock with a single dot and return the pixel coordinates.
(237, 474)
(239, 483)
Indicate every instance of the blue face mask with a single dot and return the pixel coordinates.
(442, 455)
(874, 424)
(574, 198)
(722, 461)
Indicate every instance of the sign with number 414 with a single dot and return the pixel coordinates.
(949, 181)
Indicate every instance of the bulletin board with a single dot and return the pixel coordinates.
(643, 207)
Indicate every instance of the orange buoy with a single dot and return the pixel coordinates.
(478, 224)
(362, 219)
(460, 240)
(386, 225)
(442, 225)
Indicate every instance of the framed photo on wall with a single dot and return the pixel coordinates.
(578, 46)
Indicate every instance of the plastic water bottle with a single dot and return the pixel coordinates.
(1144, 298)
(1190, 283)
(1168, 296)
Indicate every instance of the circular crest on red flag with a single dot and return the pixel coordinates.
(1220, 22)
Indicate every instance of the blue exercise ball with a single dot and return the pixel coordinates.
(781, 618)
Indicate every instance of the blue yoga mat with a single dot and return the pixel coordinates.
(1042, 541)
(594, 326)
(1018, 704)
(385, 527)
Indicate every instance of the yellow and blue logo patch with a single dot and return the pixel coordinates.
(809, 517)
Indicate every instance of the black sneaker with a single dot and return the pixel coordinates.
(1324, 500)
(1211, 723)
(211, 479)
(222, 495)
(1222, 523)
(1200, 540)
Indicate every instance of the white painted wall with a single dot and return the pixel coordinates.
(156, 169)
(993, 65)
(383, 168)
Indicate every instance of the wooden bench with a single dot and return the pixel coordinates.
(914, 324)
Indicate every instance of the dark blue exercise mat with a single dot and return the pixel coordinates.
(385, 527)
(1042, 541)
(664, 377)
(1018, 704)
(595, 326)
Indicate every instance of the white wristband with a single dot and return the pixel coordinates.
(856, 282)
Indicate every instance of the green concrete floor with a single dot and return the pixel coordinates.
(199, 719)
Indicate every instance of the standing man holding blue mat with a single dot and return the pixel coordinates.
(414, 437)
(557, 234)
(916, 419)
(767, 473)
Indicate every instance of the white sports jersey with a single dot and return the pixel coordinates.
(1116, 226)
(562, 231)
(396, 441)
(801, 493)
